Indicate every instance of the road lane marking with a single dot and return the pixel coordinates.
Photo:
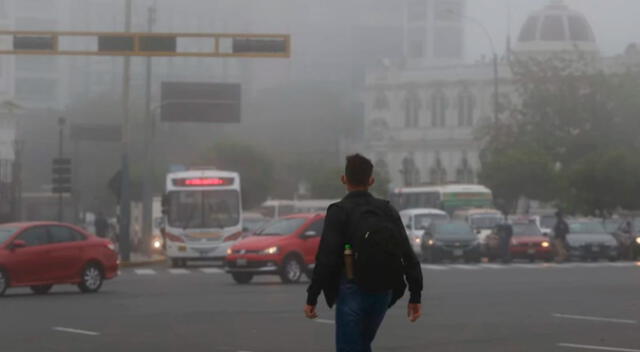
(608, 320)
(211, 270)
(597, 348)
(434, 267)
(145, 271)
(526, 266)
(466, 267)
(179, 271)
(324, 321)
(76, 331)
(492, 266)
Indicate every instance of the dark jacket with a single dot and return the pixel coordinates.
(330, 257)
(561, 230)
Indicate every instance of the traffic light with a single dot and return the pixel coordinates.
(61, 172)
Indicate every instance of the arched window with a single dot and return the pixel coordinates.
(439, 105)
(381, 102)
(409, 171)
(464, 173)
(412, 109)
(466, 106)
(437, 173)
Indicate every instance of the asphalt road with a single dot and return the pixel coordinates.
(483, 308)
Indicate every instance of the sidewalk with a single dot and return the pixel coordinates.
(139, 259)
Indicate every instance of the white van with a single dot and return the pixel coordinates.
(416, 220)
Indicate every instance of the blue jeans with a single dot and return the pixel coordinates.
(358, 316)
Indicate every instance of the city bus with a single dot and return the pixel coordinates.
(202, 215)
(446, 197)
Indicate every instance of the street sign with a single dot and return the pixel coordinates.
(96, 132)
(201, 102)
(61, 175)
(146, 44)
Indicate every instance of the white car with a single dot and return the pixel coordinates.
(416, 220)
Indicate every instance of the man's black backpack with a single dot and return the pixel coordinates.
(377, 246)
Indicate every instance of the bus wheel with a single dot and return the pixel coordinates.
(242, 278)
(178, 263)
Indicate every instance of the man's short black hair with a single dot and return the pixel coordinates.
(358, 170)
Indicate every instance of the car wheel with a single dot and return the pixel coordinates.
(41, 289)
(178, 263)
(92, 279)
(291, 270)
(242, 278)
(4, 282)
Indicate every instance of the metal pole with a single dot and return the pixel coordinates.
(61, 122)
(125, 205)
(496, 101)
(149, 170)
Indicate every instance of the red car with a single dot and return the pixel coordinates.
(286, 247)
(528, 242)
(43, 254)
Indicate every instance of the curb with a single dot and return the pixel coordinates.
(130, 264)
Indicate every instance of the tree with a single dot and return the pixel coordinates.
(254, 166)
(570, 138)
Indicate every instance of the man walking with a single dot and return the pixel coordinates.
(560, 231)
(363, 261)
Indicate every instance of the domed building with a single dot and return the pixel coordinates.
(421, 122)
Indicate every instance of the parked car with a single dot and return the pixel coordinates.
(286, 247)
(627, 233)
(42, 254)
(453, 240)
(417, 220)
(589, 240)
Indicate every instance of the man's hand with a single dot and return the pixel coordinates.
(310, 312)
(414, 311)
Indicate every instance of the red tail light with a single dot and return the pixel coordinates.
(233, 237)
(173, 238)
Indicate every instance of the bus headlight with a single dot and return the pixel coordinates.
(545, 244)
(157, 244)
(431, 242)
(270, 250)
(638, 240)
(418, 240)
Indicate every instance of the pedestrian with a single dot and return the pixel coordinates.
(560, 232)
(362, 262)
(505, 232)
(101, 224)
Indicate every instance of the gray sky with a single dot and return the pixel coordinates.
(614, 22)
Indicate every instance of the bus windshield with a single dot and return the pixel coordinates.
(204, 209)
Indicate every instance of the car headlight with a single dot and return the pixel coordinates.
(545, 244)
(638, 240)
(418, 240)
(270, 250)
(431, 242)
(157, 244)
(229, 251)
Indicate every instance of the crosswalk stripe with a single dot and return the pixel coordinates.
(466, 267)
(434, 267)
(492, 266)
(179, 271)
(145, 271)
(212, 271)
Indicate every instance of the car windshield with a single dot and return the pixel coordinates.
(526, 229)
(423, 220)
(612, 225)
(281, 227)
(587, 227)
(204, 209)
(251, 225)
(484, 221)
(453, 229)
(6, 233)
(548, 221)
